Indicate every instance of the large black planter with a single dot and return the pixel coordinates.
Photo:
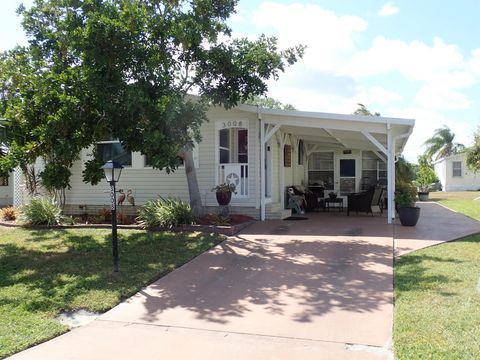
(223, 198)
(408, 216)
(423, 195)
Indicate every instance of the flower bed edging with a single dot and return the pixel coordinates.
(228, 230)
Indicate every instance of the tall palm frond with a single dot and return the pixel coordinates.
(441, 144)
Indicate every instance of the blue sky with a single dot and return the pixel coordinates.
(412, 59)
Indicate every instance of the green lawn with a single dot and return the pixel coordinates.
(437, 305)
(462, 201)
(437, 300)
(43, 272)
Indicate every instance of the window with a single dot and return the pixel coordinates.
(233, 146)
(321, 170)
(456, 169)
(287, 156)
(301, 152)
(374, 170)
(114, 150)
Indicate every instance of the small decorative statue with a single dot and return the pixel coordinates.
(121, 197)
(130, 197)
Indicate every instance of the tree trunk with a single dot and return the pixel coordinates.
(193, 190)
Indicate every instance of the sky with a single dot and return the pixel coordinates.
(409, 59)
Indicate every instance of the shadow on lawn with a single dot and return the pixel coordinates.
(63, 267)
(412, 273)
(296, 279)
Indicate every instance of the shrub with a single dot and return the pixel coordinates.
(405, 194)
(106, 214)
(165, 213)
(42, 211)
(9, 213)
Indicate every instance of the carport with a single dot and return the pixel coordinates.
(383, 135)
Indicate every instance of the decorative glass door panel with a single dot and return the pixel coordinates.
(347, 176)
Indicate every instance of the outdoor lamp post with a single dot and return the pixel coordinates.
(112, 171)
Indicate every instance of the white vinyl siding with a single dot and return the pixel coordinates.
(147, 183)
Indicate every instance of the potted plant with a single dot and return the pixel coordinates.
(332, 195)
(223, 193)
(426, 178)
(405, 196)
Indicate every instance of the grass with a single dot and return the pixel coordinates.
(436, 293)
(437, 302)
(43, 272)
(462, 202)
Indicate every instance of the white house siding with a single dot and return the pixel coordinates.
(444, 170)
(148, 183)
(6, 193)
(274, 148)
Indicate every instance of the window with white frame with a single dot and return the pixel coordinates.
(456, 169)
(114, 150)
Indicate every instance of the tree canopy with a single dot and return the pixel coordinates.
(123, 69)
(473, 152)
(269, 103)
(441, 144)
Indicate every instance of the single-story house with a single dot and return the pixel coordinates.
(262, 151)
(454, 174)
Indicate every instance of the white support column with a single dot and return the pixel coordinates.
(283, 140)
(262, 168)
(390, 175)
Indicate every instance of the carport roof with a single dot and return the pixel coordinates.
(337, 130)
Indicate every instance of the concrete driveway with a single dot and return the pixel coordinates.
(308, 289)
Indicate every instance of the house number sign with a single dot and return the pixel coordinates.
(233, 124)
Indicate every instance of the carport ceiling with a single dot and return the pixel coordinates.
(335, 138)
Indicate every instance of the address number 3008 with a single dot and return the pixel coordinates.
(232, 124)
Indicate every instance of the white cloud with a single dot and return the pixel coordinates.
(388, 9)
(440, 97)
(330, 38)
(415, 60)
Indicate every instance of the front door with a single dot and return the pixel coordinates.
(347, 176)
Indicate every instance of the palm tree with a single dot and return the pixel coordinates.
(363, 110)
(441, 144)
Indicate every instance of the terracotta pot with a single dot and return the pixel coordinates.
(223, 198)
(409, 215)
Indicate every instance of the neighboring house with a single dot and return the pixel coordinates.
(262, 151)
(454, 174)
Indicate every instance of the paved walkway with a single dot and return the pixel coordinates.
(312, 289)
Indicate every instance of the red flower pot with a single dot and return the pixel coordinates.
(223, 198)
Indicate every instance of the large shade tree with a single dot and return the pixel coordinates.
(123, 69)
(442, 144)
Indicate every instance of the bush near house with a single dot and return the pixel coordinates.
(166, 213)
(41, 211)
(9, 213)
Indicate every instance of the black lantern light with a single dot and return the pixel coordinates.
(112, 171)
